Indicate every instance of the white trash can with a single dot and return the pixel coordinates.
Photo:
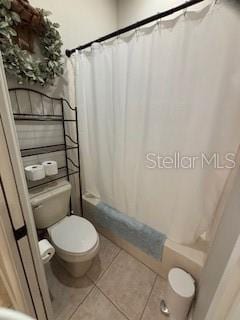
(179, 294)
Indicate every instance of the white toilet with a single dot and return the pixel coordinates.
(75, 239)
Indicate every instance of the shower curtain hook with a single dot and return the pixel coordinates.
(137, 32)
(185, 10)
(158, 21)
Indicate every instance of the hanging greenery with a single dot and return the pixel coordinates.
(21, 62)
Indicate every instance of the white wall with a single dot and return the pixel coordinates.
(220, 252)
(81, 20)
(130, 11)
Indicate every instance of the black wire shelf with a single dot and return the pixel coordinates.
(37, 117)
(31, 106)
(45, 149)
(40, 117)
(63, 172)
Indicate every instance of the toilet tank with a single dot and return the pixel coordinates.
(50, 204)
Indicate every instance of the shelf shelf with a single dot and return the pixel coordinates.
(40, 117)
(62, 173)
(37, 117)
(32, 107)
(45, 149)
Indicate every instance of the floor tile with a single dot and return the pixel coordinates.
(97, 307)
(107, 253)
(66, 292)
(152, 311)
(128, 283)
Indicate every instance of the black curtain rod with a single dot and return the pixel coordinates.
(136, 25)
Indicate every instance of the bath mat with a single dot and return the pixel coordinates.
(142, 236)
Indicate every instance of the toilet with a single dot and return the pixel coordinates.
(74, 238)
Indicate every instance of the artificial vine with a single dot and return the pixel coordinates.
(22, 63)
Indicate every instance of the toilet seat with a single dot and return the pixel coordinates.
(74, 236)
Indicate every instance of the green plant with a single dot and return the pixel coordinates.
(20, 62)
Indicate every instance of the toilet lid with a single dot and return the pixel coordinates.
(74, 234)
(181, 282)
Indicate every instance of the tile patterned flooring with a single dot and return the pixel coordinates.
(117, 287)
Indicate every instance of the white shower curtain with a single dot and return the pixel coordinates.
(172, 87)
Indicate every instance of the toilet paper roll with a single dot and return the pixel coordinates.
(50, 167)
(34, 172)
(46, 250)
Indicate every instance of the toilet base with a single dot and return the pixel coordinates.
(76, 269)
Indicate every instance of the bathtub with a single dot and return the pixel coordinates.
(190, 258)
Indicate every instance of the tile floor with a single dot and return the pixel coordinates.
(117, 287)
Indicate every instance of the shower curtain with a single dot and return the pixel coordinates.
(167, 89)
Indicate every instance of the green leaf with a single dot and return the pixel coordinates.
(3, 24)
(6, 3)
(3, 12)
(46, 13)
(30, 74)
(4, 33)
(15, 17)
(40, 79)
(12, 32)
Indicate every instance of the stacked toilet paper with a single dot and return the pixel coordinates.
(35, 172)
(50, 167)
(39, 171)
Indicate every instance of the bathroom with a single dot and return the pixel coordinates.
(112, 203)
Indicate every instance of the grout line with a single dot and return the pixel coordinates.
(134, 256)
(116, 306)
(108, 266)
(94, 284)
(88, 294)
(151, 291)
(100, 277)
(130, 254)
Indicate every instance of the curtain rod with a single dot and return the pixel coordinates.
(135, 25)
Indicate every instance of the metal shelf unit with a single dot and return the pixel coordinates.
(62, 173)
(45, 149)
(34, 115)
